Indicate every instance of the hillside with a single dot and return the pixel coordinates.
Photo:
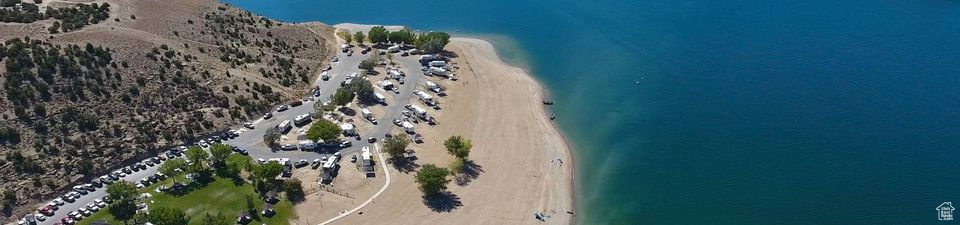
(87, 88)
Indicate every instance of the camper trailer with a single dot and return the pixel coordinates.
(367, 160)
(307, 145)
(395, 48)
(380, 98)
(437, 63)
(301, 120)
(284, 126)
(330, 163)
(419, 112)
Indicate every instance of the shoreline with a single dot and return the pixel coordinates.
(544, 94)
(527, 164)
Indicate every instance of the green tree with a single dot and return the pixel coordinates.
(432, 179)
(219, 153)
(403, 36)
(359, 37)
(345, 35)
(378, 34)
(323, 130)
(343, 96)
(458, 146)
(363, 90)
(173, 167)
(166, 215)
(368, 64)
(432, 42)
(235, 163)
(218, 219)
(294, 190)
(456, 167)
(197, 157)
(396, 145)
(270, 136)
(123, 193)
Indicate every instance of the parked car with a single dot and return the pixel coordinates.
(371, 139)
(248, 125)
(296, 103)
(267, 115)
(345, 144)
(281, 108)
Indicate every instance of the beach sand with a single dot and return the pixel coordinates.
(516, 147)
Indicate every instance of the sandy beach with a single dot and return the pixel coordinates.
(523, 163)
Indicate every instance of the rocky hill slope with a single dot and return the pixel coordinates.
(88, 86)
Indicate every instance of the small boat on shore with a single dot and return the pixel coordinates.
(547, 102)
(553, 116)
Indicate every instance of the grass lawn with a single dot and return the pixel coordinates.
(220, 195)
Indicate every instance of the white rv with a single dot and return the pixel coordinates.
(420, 112)
(425, 97)
(330, 163)
(386, 85)
(395, 48)
(307, 145)
(434, 87)
(301, 120)
(380, 98)
(437, 71)
(438, 63)
(367, 160)
(407, 126)
(348, 129)
(395, 73)
(284, 126)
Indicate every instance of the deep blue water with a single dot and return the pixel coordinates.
(747, 112)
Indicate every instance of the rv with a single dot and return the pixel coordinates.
(284, 126)
(437, 71)
(407, 127)
(425, 97)
(367, 160)
(330, 163)
(301, 120)
(306, 145)
(428, 58)
(434, 87)
(419, 112)
(380, 98)
(395, 73)
(347, 129)
(437, 63)
(385, 84)
(395, 48)
(368, 115)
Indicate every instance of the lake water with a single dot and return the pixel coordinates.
(727, 112)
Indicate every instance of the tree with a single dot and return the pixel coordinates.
(359, 37)
(363, 90)
(396, 145)
(173, 167)
(219, 153)
(197, 157)
(345, 35)
(270, 136)
(432, 179)
(166, 215)
(458, 146)
(432, 42)
(235, 163)
(456, 167)
(323, 130)
(294, 190)
(404, 36)
(218, 219)
(342, 97)
(263, 174)
(378, 34)
(123, 193)
(368, 64)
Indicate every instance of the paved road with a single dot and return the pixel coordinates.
(252, 139)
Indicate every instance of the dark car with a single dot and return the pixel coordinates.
(267, 116)
(371, 139)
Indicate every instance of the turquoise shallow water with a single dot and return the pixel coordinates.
(746, 112)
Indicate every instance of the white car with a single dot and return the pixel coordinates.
(75, 215)
(58, 201)
(93, 207)
(39, 217)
